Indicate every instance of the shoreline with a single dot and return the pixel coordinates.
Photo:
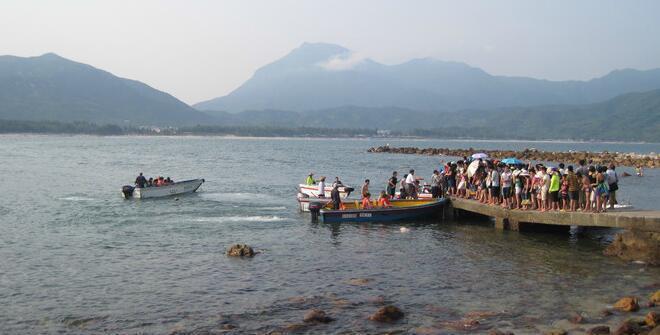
(366, 137)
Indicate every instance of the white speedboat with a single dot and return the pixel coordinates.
(313, 190)
(178, 188)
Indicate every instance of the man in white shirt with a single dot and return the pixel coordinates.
(322, 187)
(411, 190)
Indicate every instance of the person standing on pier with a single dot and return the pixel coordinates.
(613, 182)
(436, 181)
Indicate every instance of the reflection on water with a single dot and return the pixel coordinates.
(76, 258)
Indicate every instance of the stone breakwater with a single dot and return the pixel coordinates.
(651, 160)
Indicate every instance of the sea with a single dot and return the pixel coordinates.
(77, 258)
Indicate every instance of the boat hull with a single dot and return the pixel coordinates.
(178, 188)
(429, 209)
(313, 190)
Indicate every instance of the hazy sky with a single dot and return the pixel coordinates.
(198, 49)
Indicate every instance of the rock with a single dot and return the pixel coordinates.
(599, 330)
(636, 246)
(240, 250)
(655, 331)
(628, 327)
(387, 314)
(627, 304)
(652, 319)
(555, 332)
(655, 298)
(317, 315)
(294, 328)
(480, 314)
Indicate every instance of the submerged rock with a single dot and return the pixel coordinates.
(240, 250)
(576, 318)
(555, 332)
(652, 319)
(387, 314)
(359, 281)
(599, 330)
(636, 246)
(628, 327)
(317, 315)
(627, 304)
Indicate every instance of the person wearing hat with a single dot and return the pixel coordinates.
(322, 187)
(310, 179)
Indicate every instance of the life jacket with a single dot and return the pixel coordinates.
(366, 203)
(384, 202)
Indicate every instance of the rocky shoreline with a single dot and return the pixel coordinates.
(651, 160)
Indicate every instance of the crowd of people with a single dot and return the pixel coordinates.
(141, 181)
(533, 187)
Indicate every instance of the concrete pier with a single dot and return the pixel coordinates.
(630, 219)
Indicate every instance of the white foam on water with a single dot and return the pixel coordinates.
(279, 208)
(77, 198)
(222, 219)
(238, 197)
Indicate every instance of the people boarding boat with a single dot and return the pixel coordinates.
(161, 187)
(397, 211)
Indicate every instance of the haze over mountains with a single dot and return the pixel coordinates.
(53, 88)
(325, 85)
(319, 76)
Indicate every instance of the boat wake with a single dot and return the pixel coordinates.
(239, 197)
(77, 198)
(223, 219)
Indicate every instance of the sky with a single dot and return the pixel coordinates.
(201, 49)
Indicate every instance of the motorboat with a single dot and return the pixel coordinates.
(313, 190)
(177, 188)
(399, 210)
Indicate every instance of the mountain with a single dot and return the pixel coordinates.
(50, 87)
(320, 76)
(629, 117)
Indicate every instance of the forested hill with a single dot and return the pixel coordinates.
(50, 87)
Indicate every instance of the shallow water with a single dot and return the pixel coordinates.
(77, 258)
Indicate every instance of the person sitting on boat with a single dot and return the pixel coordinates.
(321, 188)
(365, 188)
(336, 199)
(141, 181)
(150, 182)
(366, 201)
(384, 200)
(310, 179)
(168, 181)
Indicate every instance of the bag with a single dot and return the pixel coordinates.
(614, 186)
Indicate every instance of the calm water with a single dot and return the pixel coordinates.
(77, 258)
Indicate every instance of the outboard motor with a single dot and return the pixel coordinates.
(315, 209)
(127, 190)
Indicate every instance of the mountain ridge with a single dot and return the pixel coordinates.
(322, 75)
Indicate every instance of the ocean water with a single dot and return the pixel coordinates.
(77, 258)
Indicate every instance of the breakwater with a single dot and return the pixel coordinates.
(651, 160)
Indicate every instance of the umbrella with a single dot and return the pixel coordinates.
(472, 168)
(511, 160)
(480, 155)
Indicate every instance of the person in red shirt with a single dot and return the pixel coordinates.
(384, 200)
(366, 201)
